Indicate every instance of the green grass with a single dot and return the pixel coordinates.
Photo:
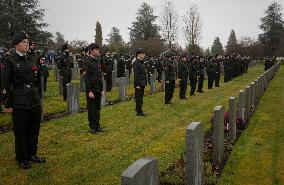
(258, 157)
(77, 157)
(53, 102)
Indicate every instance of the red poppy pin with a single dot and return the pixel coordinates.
(34, 68)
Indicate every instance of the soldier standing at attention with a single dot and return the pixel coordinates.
(211, 71)
(169, 79)
(218, 71)
(183, 76)
(94, 88)
(107, 68)
(201, 74)
(20, 82)
(140, 80)
(65, 64)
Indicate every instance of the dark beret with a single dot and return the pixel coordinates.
(140, 50)
(65, 46)
(93, 46)
(19, 37)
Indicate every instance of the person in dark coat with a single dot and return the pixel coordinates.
(217, 62)
(107, 68)
(121, 66)
(94, 88)
(65, 63)
(183, 76)
(201, 74)
(20, 83)
(193, 71)
(211, 71)
(140, 80)
(169, 69)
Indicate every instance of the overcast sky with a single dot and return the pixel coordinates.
(76, 19)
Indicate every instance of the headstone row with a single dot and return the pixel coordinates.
(144, 171)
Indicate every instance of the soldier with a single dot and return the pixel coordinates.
(218, 71)
(43, 70)
(211, 71)
(20, 81)
(121, 66)
(140, 80)
(201, 74)
(183, 76)
(159, 67)
(169, 69)
(192, 67)
(65, 64)
(107, 68)
(94, 88)
(128, 64)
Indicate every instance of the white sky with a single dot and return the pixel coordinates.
(76, 19)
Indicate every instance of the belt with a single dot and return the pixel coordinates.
(25, 86)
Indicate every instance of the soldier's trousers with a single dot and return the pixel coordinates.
(159, 77)
(94, 110)
(226, 77)
(217, 80)
(66, 80)
(200, 83)
(193, 82)
(26, 125)
(210, 81)
(169, 91)
(139, 94)
(108, 80)
(183, 87)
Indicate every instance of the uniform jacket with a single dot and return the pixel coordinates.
(140, 78)
(93, 76)
(20, 82)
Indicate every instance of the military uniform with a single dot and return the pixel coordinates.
(170, 75)
(201, 74)
(140, 81)
(218, 72)
(211, 71)
(121, 67)
(20, 81)
(183, 76)
(193, 71)
(64, 65)
(94, 84)
(107, 68)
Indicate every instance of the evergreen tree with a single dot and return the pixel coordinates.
(114, 36)
(99, 34)
(217, 47)
(232, 44)
(272, 26)
(20, 15)
(144, 27)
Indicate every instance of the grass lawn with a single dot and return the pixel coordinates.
(258, 157)
(53, 102)
(77, 157)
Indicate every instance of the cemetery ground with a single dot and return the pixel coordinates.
(258, 156)
(54, 104)
(77, 157)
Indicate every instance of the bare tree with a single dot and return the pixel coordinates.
(169, 22)
(192, 25)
